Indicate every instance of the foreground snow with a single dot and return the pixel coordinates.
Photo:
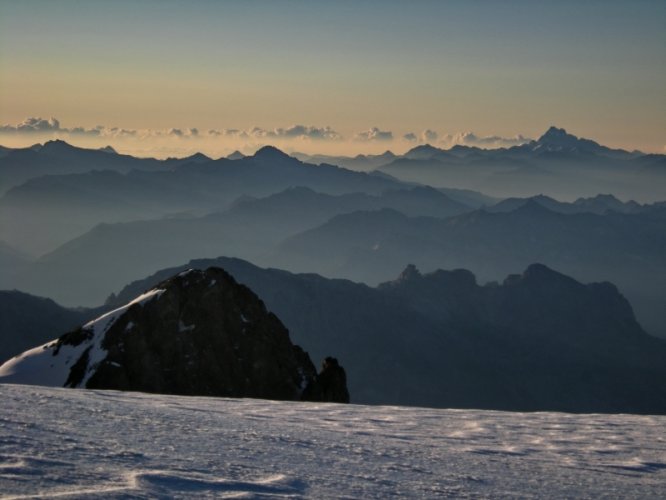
(79, 443)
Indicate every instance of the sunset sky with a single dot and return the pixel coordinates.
(173, 77)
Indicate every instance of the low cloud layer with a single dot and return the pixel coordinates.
(429, 136)
(51, 125)
(489, 142)
(464, 139)
(32, 125)
(219, 141)
(374, 134)
(293, 132)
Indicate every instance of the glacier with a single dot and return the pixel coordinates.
(77, 443)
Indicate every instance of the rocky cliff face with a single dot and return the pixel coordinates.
(329, 385)
(197, 333)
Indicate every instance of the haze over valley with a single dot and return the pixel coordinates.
(221, 221)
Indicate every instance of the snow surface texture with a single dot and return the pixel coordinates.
(90, 444)
(43, 367)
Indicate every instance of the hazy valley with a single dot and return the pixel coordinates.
(434, 336)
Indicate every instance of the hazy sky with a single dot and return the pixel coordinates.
(358, 76)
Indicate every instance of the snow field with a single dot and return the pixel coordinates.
(108, 444)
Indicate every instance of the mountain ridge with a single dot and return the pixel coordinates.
(444, 340)
(196, 333)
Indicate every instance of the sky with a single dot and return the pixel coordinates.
(170, 77)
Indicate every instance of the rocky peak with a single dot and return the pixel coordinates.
(330, 385)
(554, 134)
(196, 333)
(557, 139)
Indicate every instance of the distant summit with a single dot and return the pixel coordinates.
(556, 135)
(603, 203)
(423, 152)
(558, 139)
(194, 158)
(236, 155)
(108, 149)
(197, 158)
(271, 153)
(387, 155)
(57, 146)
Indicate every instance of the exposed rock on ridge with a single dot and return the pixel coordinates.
(197, 333)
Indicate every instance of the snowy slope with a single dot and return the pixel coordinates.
(50, 364)
(91, 444)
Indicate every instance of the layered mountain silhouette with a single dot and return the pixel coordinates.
(47, 211)
(57, 157)
(54, 192)
(538, 341)
(251, 228)
(370, 246)
(600, 204)
(359, 162)
(99, 219)
(558, 164)
(197, 333)
(369, 238)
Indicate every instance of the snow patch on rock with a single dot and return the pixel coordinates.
(50, 364)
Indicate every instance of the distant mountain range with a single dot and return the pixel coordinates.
(99, 219)
(557, 164)
(369, 238)
(54, 192)
(538, 341)
(109, 255)
(628, 249)
(542, 165)
(57, 157)
(600, 205)
(358, 162)
(47, 211)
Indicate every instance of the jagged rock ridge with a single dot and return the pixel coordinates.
(197, 333)
(539, 340)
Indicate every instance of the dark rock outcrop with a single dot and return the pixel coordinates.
(206, 335)
(330, 385)
(197, 333)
